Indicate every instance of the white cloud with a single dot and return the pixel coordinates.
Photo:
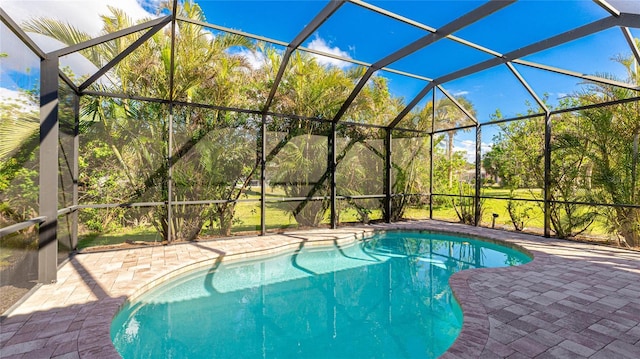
(467, 143)
(20, 60)
(486, 147)
(256, 59)
(84, 14)
(79, 64)
(319, 44)
(18, 98)
(150, 5)
(468, 147)
(19, 57)
(460, 93)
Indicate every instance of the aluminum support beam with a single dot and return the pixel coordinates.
(632, 43)
(596, 79)
(173, 50)
(431, 176)
(48, 182)
(560, 39)
(422, 26)
(597, 105)
(634, 166)
(387, 176)
(277, 79)
(455, 25)
(332, 167)
(231, 31)
(547, 176)
(124, 96)
(564, 110)
(112, 36)
(392, 15)
(608, 7)
(413, 104)
(302, 48)
(431, 148)
(17, 30)
(455, 102)
(477, 211)
(322, 16)
(511, 119)
(568, 36)
(75, 171)
(263, 174)
(5, 231)
(146, 36)
(170, 159)
(362, 63)
(354, 93)
(524, 83)
(474, 46)
(222, 108)
(454, 129)
(68, 81)
(580, 32)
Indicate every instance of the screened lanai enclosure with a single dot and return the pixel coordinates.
(183, 120)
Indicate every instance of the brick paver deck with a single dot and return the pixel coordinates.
(573, 300)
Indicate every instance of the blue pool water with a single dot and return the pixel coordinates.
(385, 297)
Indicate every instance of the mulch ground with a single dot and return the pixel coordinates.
(9, 295)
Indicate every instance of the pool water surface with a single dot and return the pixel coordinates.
(384, 297)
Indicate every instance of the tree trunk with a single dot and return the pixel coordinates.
(450, 158)
(226, 212)
(634, 166)
(311, 214)
(630, 225)
(588, 174)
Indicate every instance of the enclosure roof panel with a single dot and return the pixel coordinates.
(625, 6)
(526, 22)
(281, 20)
(487, 50)
(441, 58)
(433, 13)
(363, 34)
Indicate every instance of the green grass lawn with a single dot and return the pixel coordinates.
(15, 243)
(493, 206)
(247, 218)
(142, 234)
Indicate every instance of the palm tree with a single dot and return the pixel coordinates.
(299, 160)
(613, 133)
(19, 130)
(205, 70)
(450, 117)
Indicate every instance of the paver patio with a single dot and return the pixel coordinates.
(573, 300)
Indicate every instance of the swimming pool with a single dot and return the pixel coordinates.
(386, 296)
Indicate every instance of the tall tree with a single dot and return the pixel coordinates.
(449, 116)
(613, 134)
(136, 133)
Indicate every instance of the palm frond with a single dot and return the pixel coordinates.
(14, 132)
(65, 33)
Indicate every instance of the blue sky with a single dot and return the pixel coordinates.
(367, 36)
(356, 33)
(363, 35)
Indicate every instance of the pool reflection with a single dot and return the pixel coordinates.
(385, 297)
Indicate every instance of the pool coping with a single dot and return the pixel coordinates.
(71, 318)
